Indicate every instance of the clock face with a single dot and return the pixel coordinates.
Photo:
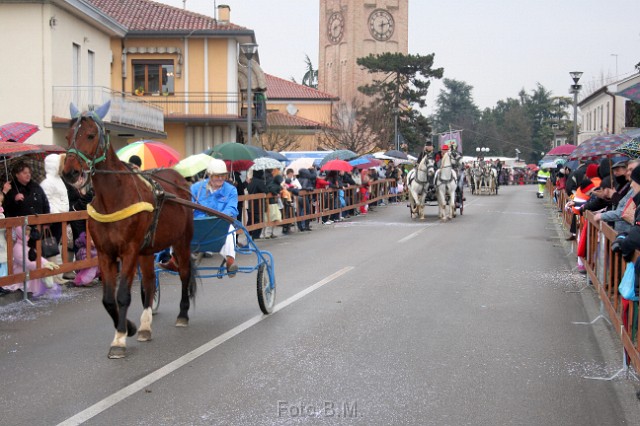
(335, 27)
(381, 24)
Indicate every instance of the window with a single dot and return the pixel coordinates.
(153, 77)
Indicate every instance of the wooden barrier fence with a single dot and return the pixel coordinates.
(604, 271)
(326, 203)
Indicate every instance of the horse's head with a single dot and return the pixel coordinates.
(88, 144)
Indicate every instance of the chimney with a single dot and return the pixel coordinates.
(224, 12)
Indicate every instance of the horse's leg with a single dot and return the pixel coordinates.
(125, 327)
(182, 252)
(109, 271)
(149, 286)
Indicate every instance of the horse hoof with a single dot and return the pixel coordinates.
(182, 322)
(144, 335)
(117, 352)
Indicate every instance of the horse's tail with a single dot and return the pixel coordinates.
(193, 285)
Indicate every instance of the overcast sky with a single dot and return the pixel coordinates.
(496, 46)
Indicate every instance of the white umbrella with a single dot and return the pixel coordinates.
(266, 163)
(301, 163)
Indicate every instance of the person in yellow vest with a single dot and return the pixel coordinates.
(543, 177)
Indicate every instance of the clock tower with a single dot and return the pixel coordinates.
(352, 29)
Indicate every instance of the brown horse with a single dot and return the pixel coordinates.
(129, 222)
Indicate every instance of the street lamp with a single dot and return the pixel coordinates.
(575, 88)
(482, 150)
(249, 49)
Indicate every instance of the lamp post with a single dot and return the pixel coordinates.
(396, 142)
(482, 151)
(249, 49)
(575, 88)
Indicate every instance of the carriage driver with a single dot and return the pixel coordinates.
(218, 194)
(426, 152)
(456, 162)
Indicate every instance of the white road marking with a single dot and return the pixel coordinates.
(153, 377)
(414, 234)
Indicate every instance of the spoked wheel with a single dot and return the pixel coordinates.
(266, 294)
(156, 298)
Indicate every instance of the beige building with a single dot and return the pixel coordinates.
(169, 73)
(603, 112)
(299, 111)
(352, 29)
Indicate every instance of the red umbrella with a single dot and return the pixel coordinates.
(565, 149)
(337, 165)
(17, 132)
(238, 165)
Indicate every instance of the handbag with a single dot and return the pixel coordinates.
(50, 245)
(274, 213)
(629, 211)
(626, 289)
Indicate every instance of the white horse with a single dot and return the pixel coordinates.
(446, 181)
(420, 181)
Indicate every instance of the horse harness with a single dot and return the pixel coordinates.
(157, 191)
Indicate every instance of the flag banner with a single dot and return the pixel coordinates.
(447, 138)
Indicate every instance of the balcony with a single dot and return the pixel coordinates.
(126, 110)
(149, 112)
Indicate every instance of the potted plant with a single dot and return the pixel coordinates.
(139, 91)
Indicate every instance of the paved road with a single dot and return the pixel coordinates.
(382, 320)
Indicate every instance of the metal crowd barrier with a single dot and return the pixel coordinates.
(326, 203)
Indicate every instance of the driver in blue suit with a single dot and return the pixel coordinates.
(218, 194)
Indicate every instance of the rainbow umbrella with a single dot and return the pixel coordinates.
(152, 153)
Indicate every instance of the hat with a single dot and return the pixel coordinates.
(134, 159)
(586, 185)
(592, 171)
(216, 167)
(621, 163)
(428, 143)
(445, 147)
(635, 175)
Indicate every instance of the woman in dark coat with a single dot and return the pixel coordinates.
(25, 197)
(257, 185)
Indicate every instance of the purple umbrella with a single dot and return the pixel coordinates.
(598, 147)
(17, 132)
(632, 93)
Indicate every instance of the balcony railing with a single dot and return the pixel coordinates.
(126, 110)
(149, 110)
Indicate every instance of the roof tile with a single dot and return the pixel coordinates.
(147, 15)
(279, 119)
(278, 88)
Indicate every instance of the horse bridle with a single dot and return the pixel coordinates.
(103, 142)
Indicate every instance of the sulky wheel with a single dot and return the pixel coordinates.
(266, 292)
(156, 298)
